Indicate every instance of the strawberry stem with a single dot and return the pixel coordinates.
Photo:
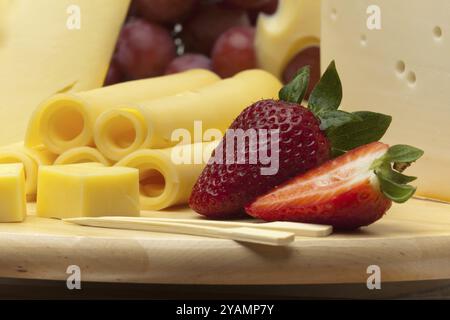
(389, 168)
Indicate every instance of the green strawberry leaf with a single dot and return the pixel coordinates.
(336, 118)
(403, 153)
(399, 193)
(351, 135)
(295, 90)
(327, 94)
(388, 173)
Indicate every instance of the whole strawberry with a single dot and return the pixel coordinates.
(273, 141)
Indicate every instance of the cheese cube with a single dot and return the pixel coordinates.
(13, 204)
(70, 191)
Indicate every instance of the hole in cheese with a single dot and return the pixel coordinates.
(437, 32)
(400, 67)
(120, 132)
(412, 78)
(66, 123)
(363, 40)
(334, 14)
(151, 182)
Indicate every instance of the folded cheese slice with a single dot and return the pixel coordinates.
(40, 56)
(66, 121)
(211, 107)
(167, 176)
(31, 158)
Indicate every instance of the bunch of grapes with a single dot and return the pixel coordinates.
(169, 36)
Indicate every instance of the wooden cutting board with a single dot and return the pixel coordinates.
(411, 243)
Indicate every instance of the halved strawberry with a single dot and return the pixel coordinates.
(351, 191)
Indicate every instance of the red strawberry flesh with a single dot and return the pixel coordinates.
(343, 192)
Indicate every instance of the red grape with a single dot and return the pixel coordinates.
(309, 56)
(132, 11)
(248, 4)
(234, 51)
(144, 49)
(269, 8)
(114, 75)
(189, 61)
(164, 11)
(207, 23)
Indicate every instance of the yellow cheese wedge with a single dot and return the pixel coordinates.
(402, 69)
(167, 176)
(82, 155)
(41, 54)
(13, 206)
(71, 191)
(211, 107)
(31, 159)
(66, 121)
(279, 37)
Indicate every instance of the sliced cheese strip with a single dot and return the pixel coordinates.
(66, 121)
(13, 207)
(403, 70)
(211, 107)
(279, 37)
(31, 159)
(87, 190)
(167, 176)
(82, 155)
(40, 56)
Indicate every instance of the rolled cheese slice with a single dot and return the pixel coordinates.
(49, 47)
(279, 37)
(66, 121)
(82, 155)
(167, 176)
(118, 132)
(31, 158)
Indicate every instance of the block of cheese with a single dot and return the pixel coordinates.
(402, 69)
(82, 155)
(41, 54)
(167, 176)
(279, 37)
(70, 191)
(211, 107)
(31, 159)
(13, 206)
(66, 121)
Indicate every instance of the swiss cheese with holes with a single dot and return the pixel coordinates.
(401, 69)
